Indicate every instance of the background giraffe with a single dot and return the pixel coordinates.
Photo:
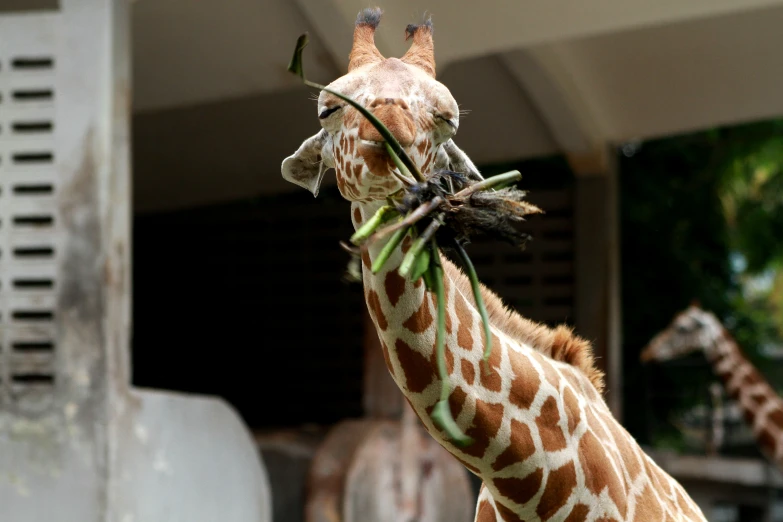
(695, 329)
(545, 443)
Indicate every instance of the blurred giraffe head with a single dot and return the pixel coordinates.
(691, 330)
(404, 95)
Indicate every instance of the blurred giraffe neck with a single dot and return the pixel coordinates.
(761, 406)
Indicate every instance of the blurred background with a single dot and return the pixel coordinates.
(648, 133)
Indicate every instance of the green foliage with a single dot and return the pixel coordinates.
(751, 173)
(701, 218)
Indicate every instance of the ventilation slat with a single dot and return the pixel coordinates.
(33, 189)
(33, 252)
(28, 229)
(29, 127)
(32, 95)
(32, 63)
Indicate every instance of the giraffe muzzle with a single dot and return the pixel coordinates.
(395, 116)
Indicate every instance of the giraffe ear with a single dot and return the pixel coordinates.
(306, 167)
(460, 162)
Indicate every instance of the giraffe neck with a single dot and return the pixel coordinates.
(760, 405)
(544, 442)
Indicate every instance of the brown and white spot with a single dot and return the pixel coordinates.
(417, 369)
(519, 490)
(548, 423)
(559, 485)
(520, 448)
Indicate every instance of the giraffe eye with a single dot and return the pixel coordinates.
(326, 112)
(447, 120)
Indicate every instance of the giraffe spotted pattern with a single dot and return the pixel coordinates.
(695, 329)
(545, 449)
(544, 442)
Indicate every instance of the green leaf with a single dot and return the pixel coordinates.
(388, 248)
(442, 413)
(412, 258)
(419, 245)
(296, 66)
(428, 281)
(474, 283)
(422, 265)
(383, 215)
(442, 418)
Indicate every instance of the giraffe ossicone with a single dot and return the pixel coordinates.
(544, 444)
(695, 329)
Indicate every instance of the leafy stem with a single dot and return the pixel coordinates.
(476, 286)
(442, 413)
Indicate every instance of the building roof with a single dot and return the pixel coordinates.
(211, 90)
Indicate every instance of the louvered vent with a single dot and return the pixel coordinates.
(28, 226)
(539, 280)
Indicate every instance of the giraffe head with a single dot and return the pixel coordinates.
(404, 95)
(691, 330)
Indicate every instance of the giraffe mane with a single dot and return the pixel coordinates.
(559, 343)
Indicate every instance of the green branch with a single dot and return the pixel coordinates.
(441, 415)
(388, 248)
(474, 283)
(384, 214)
(493, 182)
(414, 254)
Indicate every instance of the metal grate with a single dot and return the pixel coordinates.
(539, 280)
(28, 225)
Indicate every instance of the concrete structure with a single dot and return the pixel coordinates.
(77, 442)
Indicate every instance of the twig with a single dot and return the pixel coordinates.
(409, 220)
(348, 248)
(406, 182)
(489, 183)
(404, 172)
(418, 246)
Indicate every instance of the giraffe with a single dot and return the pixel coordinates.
(545, 444)
(696, 329)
